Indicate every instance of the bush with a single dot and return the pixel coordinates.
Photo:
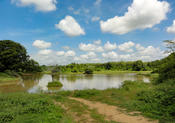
(55, 84)
(88, 71)
(26, 108)
(159, 102)
(167, 69)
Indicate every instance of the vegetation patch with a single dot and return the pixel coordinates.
(4, 77)
(27, 108)
(55, 84)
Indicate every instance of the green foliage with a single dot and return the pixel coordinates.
(167, 69)
(25, 108)
(138, 66)
(112, 66)
(158, 103)
(13, 57)
(55, 84)
(88, 71)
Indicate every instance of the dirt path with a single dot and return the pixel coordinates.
(113, 113)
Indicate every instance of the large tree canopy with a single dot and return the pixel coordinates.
(13, 56)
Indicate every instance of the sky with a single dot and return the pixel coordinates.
(89, 31)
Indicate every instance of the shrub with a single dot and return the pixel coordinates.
(88, 71)
(159, 102)
(55, 84)
(27, 108)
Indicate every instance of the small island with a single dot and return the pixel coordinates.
(55, 84)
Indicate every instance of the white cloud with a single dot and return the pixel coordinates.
(41, 44)
(40, 5)
(95, 18)
(90, 54)
(139, 47)
(125, 57)
(97, 2)
(45, 52)
(126, 47)
(97, 42)
(90, 47)
(171, 29)
(60, 53)
(70, 27)
(70, 53)
(150, 51)
(109, 46)
(141, 14)
(110, 55)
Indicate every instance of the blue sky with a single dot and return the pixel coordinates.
(65, 31)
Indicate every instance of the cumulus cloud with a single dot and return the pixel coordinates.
(171, 29)
(90, 54)
(139, 47)
(95, 18)
(70, 53)
(60, 53)
(110, 55)
(141, 14)
(90, 47)
(70, 26)
(126, 47)
(45, 52)
(41, 44)
(97, 42)
(110, 46)
(40, 5)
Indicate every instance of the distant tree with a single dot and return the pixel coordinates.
(170, 44)
(88, 71)
(13, 56)
(108, 66)
(138, 66)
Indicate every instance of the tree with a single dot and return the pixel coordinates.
(13, 56)
(138, 66)
(170, 44)
(167, 69)
(88, 71)
(108, 66)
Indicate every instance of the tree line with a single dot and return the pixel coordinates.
(14, 57)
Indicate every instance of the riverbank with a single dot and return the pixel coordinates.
(152, 101)
(6, 78)
(60, 107)
(133, 98)
(104, 72)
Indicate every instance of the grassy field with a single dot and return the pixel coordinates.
(58, 107)
(45, 108)
(135, 96)
(5, 78)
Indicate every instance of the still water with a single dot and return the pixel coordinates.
(38, 82)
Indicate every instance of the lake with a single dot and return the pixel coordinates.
(38, 82)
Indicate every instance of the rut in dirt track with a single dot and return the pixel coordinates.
(113, 113)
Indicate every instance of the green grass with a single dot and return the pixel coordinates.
(4, 78)
(80, 110)
(116, 71)
(153, 101)
(30, 108)
(55, 84)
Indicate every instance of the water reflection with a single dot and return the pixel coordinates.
(38, 82)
